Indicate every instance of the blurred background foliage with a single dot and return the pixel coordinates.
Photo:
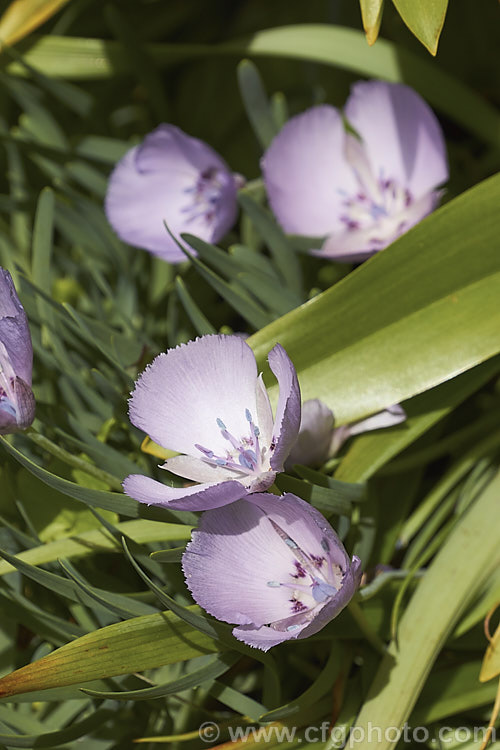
(99, 311)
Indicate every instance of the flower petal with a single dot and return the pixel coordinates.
(156, 182)
(287, 418)
(236, 555)
(179, 397)
(231, 558)
(315, 434)
(201, 497)
(264, 637)
(306, 174)
(14, 330)
(401, 133)
(198, 470)
(387, 418)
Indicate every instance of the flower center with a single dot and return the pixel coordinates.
(384, 203)
(7, 394)
(315, 579)
(244, 455)
(205, 195)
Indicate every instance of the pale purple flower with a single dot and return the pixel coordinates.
(17, 403)
(171, 178)
(319, 439)
(361, 194)
(273, 566)
(206, 400)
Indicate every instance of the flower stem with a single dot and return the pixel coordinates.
(74, 461)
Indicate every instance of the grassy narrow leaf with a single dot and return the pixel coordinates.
(284, 255)
(97, 540)
(256, 103)
(236, 297)
(216, 667)
(201, 324)
(114, 501)
(441, 596)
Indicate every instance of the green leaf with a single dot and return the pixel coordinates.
(370, 451)
(122, 648)
(371, 13)
(450, 691)
(425, 19)
(459, 568)
(42, 240)
(256, 103)
(331, 45)
(198, 319)
(407, 319)
(327, 500)
(216, 667)
(281, 249)
(114, 501)
(98, 540)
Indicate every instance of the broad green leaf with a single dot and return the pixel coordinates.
(407, 319)
(441, 596)
(23, 16)
(425, 19)
(342, 47)
(371, 13)
(372, 450)
(123, 648)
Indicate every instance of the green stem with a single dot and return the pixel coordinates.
(74, 461)
(358, 616)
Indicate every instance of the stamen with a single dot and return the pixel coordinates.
(221, 424)
(274, 584)
(208, 453)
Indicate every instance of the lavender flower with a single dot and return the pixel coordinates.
(17, 403)
(361, 194)
(204, 399)
(319, 439)
(271, 565)
(174, 179)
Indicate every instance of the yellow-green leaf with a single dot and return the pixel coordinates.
(491, 663)
(23, 16)
(425, 19)
(371, 13)
(123, 648)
